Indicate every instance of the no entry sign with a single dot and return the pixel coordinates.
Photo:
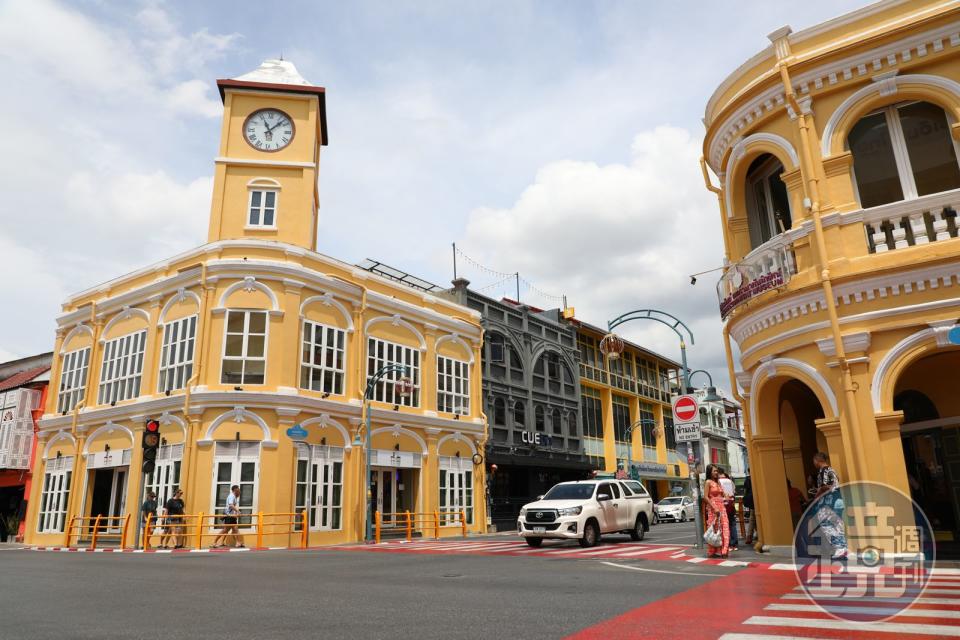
(685, 409)
(686, 418)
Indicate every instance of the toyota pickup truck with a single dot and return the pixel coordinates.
(585, 510)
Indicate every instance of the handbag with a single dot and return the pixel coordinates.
(713, 536)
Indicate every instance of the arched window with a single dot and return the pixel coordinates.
(539, 419)
(903, 151)
(495, 348)
(502, 357)
(557, 422)
(572, 423)
(548, 372)
(520, 414)
(768, 207)
(499, 411)
(916, 406)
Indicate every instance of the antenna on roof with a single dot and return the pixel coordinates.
(281, 55)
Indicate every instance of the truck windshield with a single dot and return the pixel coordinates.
(569, 492)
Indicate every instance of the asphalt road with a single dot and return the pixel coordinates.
(326, 594)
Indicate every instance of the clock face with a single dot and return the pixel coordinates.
(268, 130)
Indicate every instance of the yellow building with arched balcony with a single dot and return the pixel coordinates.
(230, 344)
(839, 185)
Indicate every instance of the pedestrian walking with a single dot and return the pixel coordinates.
(730, 504)
(173, 521)
(717, 512)
(749, 508)
(148, 514)
(231, 521)
(830, 505)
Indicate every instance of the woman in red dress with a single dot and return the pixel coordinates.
(716, 509)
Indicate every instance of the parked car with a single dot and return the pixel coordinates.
(676, 508)
(585, 510)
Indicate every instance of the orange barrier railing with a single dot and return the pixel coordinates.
(192, 529)
(97, 529)
(423, 521)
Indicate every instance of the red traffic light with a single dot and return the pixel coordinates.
(153, 426)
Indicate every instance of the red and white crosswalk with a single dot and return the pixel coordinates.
(621, 550)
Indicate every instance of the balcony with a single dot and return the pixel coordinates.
(909, 223)
(767, 267)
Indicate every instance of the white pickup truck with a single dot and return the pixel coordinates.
(586, 509)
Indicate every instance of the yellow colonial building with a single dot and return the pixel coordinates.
(839, 185)
(230, 344)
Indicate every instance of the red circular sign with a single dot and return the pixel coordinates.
(685, 409)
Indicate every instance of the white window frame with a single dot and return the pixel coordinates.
(262, 209)
(320, 486)
(320, 371)
(898, 144)
(767, 170)
(236, 453)
(73, 378)
(177, 353)
(453, 386)
(55, 494)
(385, 390)
(244, 358)
(122, 367)
(456, 488)
(166, 475)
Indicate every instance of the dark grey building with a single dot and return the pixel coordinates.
(531, 394)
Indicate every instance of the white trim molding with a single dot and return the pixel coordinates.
(77, 329)
(264, 183)
(775, 366)
(327, 300)
(239, 415)
(182, 294)
(740, 150)
(852, 343)
(458, 340)
(253, 162)
(458, 437)
(57, 437)
(125, 313)
(249, 283)
(324, 420)
(936, 332)
(168, 418)
(396, 430)
(108, 428)
(396, 321)
(883, 84)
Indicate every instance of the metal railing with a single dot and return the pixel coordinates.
(767, 267)
(193, 528)
(423, 521)
(96, 529)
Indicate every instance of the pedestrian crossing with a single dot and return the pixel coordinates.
(609, 550)
(935, 613)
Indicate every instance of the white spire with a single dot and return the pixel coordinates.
(275, 71)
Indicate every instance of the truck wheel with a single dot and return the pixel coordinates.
(639, 530)
(591, 535)
(534, 542)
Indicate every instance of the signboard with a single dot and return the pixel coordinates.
(954, 335)
(771, 268)
(647, 468)
(297, 433)
(536, 439)
(686, 409)
(687, 432)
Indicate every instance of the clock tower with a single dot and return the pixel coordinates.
(265, 180)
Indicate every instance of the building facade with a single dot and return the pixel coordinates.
(836, 152)
(230, 344)
(617, 394)
(23, 391)
(723, 440)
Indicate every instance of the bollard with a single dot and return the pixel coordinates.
(463, 522)
(146, 532)
(305, 536)
(409, 527)
(436, 524)
(376, 525)
(96, 530)
(259, 529)
(199, 530)
(123, 532)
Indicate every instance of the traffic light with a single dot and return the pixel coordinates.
(150, 443)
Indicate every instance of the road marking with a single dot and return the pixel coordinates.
(782, 566)
(696, 560)
(644, 552)
(561, 552)
(843, 625)
(925, 600)
(677, 573)
(688, 537)
(763, 636)
(600, 552)
(888, 591)
(733, 563)
(892, 611)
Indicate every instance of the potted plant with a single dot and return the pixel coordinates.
(9, 525)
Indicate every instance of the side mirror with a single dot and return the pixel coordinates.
(603, 497)
(540, 497)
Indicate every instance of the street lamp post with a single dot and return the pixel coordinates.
(403, 387)
(612, 346)
(629, 435)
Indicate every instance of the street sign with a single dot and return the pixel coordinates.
(685, 409)
(297, 433)
(954, 335)
(687, 432)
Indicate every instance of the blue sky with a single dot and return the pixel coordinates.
(559, 139)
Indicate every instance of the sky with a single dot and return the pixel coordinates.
(559, 139)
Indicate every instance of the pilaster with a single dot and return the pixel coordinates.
(891, 449)
(770, 490)
(830, 428)
(609, 438)
(151, 362)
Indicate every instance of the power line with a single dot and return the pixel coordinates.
(504, 276)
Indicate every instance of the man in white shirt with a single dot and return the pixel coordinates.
(231, 521)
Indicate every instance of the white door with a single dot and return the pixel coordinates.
(236, 463)
(384, 490)
(118, 499)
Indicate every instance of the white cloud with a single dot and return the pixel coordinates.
(618, 237)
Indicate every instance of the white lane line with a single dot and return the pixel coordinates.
(890, 611)
(880, 592)
(733, 563)
(677, 573)
(782, 566)
(531, 550)
(600, 552)
(923, 600)
(696, 560)
(686, 537)
(763, 636)
(678, 555)
(561, 552)
(630, 554)
(945, 571)
(873, 627)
